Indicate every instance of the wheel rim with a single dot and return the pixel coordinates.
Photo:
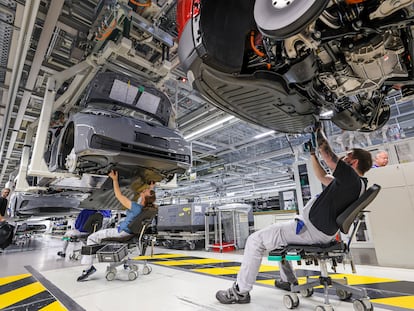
(358, 305)
(71, 161)
(281, 4)
(132, 275)
(288, 302)
(110, 276)
(282, 19)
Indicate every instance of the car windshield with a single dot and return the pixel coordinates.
(122, 110)
(129, 97)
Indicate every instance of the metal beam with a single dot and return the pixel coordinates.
(47, 32)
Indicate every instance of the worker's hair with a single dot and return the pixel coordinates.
(364, 159)
(380, 152)
(150, 199)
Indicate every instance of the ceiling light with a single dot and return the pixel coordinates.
(204, 145)
(209, 127)
(264, 134)
(325, 114)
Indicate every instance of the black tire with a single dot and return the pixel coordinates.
(67, 144)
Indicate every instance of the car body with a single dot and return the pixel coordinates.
(62, 203)
(283, 64)
(122, 124)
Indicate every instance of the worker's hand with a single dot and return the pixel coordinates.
(151, 185)
(309, 147)
(113, 174)
(317, 127)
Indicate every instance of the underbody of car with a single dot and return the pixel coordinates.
(283, 64)
(122, 124)
(25, 204)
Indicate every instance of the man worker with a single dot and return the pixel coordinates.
(3, 203)
(316, 224)
(380, 159)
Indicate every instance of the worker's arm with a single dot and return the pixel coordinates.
(326, 153)
(325, 150)
(118, 194)
(320, 172)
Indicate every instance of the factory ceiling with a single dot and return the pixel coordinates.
(42, 37)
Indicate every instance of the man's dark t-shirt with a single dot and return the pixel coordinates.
(3, 206)
(335, 198)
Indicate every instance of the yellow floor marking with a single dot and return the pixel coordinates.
(161, 256)
(402, 302)
(20, 294)
(352, 279)
(267, 282)
(360, 279)
(232, 270)
(54, 306)
(301, 280)
(219, 271)
(14, 278)
(191, 262)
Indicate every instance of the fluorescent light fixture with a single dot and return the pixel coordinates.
(325, 114)
(209, 127)
(204, 145)
(264, 134)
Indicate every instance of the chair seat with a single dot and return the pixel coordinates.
(121, 239)
(310, 248)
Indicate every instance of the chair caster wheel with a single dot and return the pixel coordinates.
(307, 292)
(363, 305)
(132, 275)
(343, 294)
(110, 276)
(291, 301)
(146, 270)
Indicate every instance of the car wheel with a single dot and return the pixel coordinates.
(282, 18)
(66, 146)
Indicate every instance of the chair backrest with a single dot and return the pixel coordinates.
(141, 220)
(347, 217)
(93, 223)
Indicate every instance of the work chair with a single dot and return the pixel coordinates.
(91, 225)
(120, 247)
(334, 252)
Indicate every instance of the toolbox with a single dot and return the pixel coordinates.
(91, 249)
(112, 252)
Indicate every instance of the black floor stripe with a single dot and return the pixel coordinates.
(174, 258)
(304, 273)
(375, 291)
(399, 287)
(35, 302)
(210, 265)
(64, 299)
(16, 284)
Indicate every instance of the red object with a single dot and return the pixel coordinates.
(225, 247)
(186, 9)
(354, 1)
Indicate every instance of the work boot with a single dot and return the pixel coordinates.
(232, 295)
(86, 274)
(284, 285)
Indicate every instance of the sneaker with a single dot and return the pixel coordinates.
(232, 295)
(284, 285)
(61, 254)
(86, 274)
